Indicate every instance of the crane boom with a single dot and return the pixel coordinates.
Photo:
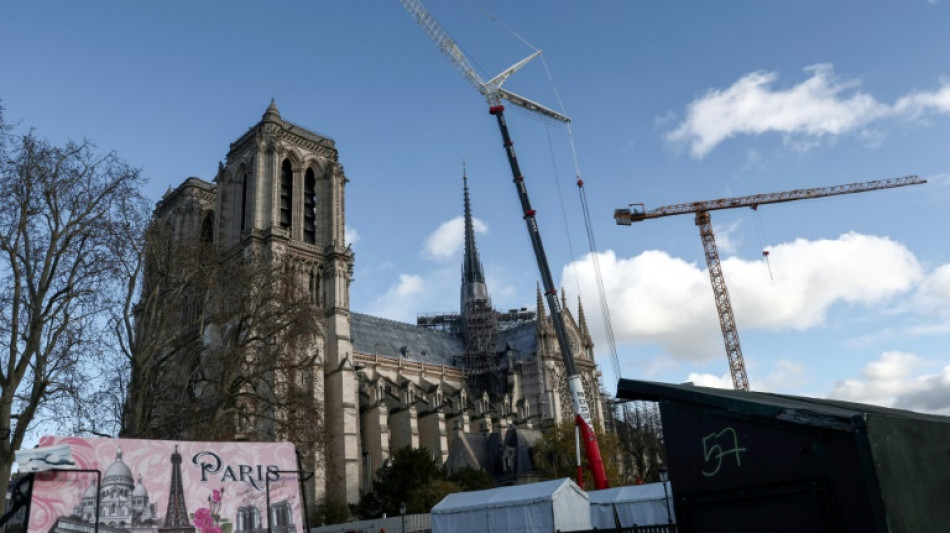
(727, 320)
(493, 92)
(626, 216)
(492, 89)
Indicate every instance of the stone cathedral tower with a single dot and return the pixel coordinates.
(474, 388)
(281, 190)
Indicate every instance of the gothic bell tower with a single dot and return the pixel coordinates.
(281, 195)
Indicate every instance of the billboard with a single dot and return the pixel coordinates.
(155, 486)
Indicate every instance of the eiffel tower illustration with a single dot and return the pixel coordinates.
(176, 518)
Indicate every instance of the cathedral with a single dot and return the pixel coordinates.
(475, 387)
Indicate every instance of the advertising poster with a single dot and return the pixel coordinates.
(154, 486)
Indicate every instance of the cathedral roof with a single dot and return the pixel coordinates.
(374, 335)
(470, 450)
(521, 339)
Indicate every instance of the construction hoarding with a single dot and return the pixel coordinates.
(146, 486)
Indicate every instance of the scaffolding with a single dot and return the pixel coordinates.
(480, 323)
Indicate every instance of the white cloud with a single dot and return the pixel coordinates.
(350, 235)
(881, 381)
(890, 381)
(400, 300)
(817, 109)
(710, 380)
(724, 241)
(918, 103)
(786, 375)
(449, 237)
(655, 298)
(933, 294)
(811, 276)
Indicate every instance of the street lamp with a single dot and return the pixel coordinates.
(664, 478)
(402, 512)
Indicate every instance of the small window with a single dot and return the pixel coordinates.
(310, 207)
(244, 203)
(286, 193)
(207, 228)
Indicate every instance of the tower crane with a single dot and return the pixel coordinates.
(493, 91)
(637, 212)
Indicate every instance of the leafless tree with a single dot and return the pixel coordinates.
(220, 345)
(61, 212)
(640, 433)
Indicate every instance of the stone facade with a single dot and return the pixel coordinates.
(384, 384)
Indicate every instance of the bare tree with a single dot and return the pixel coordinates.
(555, 455)
(60, 213)
(640, 433)
(157, 326)
(219, 345)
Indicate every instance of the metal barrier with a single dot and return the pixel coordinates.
(656, 528)
(410, 523)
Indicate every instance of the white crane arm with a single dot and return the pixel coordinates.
(531, 105)
(445, 43)
(492, 89)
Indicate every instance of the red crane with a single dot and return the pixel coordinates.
(636, 213)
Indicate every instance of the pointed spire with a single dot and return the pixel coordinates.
(581, 318)
(472, 269)
(542, 314)
(272, 113)
(473, 277)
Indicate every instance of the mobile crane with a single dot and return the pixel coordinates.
(492, 90)
(730, 334)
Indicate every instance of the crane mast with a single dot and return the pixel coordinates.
(494, 93)
(727, 321)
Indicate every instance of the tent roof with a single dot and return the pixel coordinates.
(543, 491)
(632, 493)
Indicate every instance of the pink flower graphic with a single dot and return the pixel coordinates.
(207, 519)
(203, 518)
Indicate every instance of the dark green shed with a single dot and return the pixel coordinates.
(744, 461)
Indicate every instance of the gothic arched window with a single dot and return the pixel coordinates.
(244, 203)
(310, 207)
(315, 279)
(286, 192)
(207, 228)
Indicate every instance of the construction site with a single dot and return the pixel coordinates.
(666, 424)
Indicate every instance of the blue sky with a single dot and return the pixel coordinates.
(671, 101)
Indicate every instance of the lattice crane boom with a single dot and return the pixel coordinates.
(636, 212)
(727, 321)
(492, 89)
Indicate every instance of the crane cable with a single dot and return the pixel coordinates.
(591, 241)
(763, 239)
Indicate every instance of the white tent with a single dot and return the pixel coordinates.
(636, 505)
(558, 505)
